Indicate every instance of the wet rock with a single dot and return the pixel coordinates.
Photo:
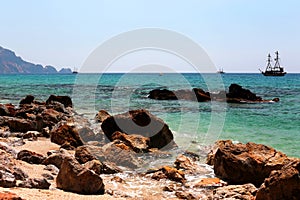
(65, 100)
(101, 116)
(88, 135)
(162, 94)
(282, 184)
(136, 143)
(201, 95)
(51, 117)
(169, 173)
(9, 196)
(246, 163)
(27, 100)
(110, 168)
(7, 179)
(75, 178)
(237, 94)
(31, 135)
(240, 192)
(140, 122)
(83, 155)
(30, 157)
(37, 183)
(185, 195)
(65, 133)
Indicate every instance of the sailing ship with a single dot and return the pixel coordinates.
(277, 70)
(220, 71)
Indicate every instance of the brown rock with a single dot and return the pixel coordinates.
(20, 125)
(54, 159)
(140, 122)
(88, 135)
(169, 173)
(7, 179)
(65, 133)
(27, 100)
(30, 157)
(75, 178)
(201, 95)
(37, 183)
(94, 165)
(102, 115)
(246, 163)
(9, 196)
(65, 100)
(7, 110)
(83, 155)
(240, 192)
(136, 143)
(282, 184)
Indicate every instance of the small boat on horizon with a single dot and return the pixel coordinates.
(220, 71)
(277, 70)
(75, 71)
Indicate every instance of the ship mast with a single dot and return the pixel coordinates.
(277, 65)
(269, 66)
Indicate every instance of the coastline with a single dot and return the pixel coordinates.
(36, 156)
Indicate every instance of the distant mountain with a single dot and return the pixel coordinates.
(12, 64)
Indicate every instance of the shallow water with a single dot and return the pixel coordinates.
(194, 124)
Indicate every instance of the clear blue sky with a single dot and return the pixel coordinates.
(236, 34)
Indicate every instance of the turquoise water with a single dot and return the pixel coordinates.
(274, 124)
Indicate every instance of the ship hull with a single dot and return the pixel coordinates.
(274, 73)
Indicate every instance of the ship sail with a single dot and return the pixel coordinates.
(277, 70)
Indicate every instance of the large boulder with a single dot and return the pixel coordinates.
(27, 100)
(237, 94)
(76, 178)
(66, 134)
(65, 100)
(102, 115)
(282, 184)
(140, 122)
(246, 163)
(20, 125)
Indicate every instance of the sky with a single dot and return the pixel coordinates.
(237, 35)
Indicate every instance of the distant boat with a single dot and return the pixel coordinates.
(277, 70)
(75, 71)
(220, 71)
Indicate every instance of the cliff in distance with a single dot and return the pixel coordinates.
(12, 64)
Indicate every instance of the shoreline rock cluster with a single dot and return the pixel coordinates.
(236, 94)
(106, 160)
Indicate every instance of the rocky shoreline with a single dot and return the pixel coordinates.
(48, 151)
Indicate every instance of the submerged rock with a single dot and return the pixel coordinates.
(140, 122)
(282, 184)
(246, 163)
(65, 100)
(76, 178)
(238, 94)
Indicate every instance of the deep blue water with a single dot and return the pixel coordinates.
(274, 124)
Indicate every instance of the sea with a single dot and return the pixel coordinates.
(194, 124)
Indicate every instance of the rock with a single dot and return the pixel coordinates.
(136, 143)
(51, 117)
(102, 115)
(169, 173)
(94, 165)
(83, 155)
(162, 94)
(30, 157)
(7, 110)
(54, 159)
(75, 178)
(237, 94)
(27, 100)
(31, 135)
(201, 95)
(110, 168)
(281, 184)
(65, 100)
(20, 125)
(9, 196)
(7, 180)
(246, 163)
(185, 195)
(88, 135)
(65, 133)
(37, 183)
(209, 183)
(190, 165)
(140, 122)
(240, 192)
